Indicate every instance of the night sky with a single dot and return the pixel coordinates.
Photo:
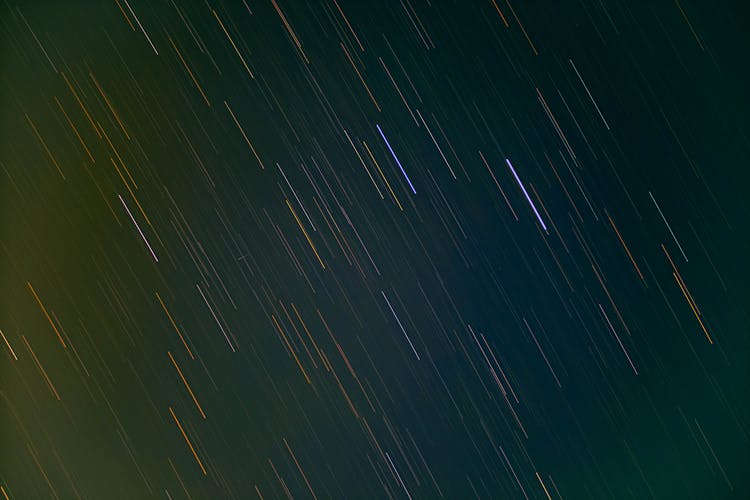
(358, 249)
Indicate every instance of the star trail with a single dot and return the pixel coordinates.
(403, 249)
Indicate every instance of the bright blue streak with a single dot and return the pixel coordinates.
(528, 198)
(396, 158)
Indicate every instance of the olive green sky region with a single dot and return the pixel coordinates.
(59, 234)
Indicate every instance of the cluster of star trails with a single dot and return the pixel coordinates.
(418, 249)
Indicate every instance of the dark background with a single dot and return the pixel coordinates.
(519, 386)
